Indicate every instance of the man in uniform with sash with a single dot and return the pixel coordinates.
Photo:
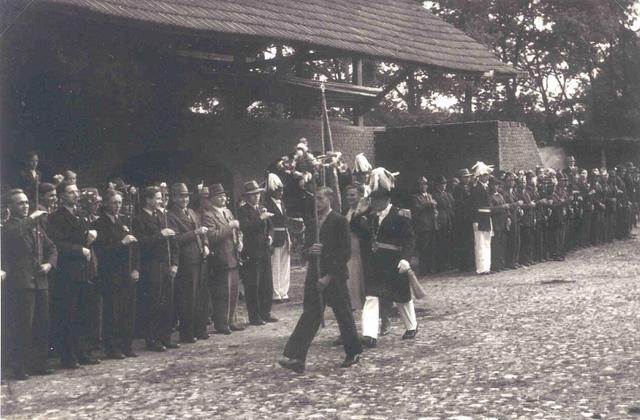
(388, 242)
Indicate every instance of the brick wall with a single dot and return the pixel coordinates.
(517, 147)
(445, 148)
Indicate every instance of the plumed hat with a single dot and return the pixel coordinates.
(481, 168)
(382, 181)
(303, 145)
(273, 182)
(362, 164)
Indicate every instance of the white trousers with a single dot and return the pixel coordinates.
(281, 271)
(482, 241)
(371, 315)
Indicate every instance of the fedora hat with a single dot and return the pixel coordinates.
(252, 187)
(216, 189)
(179, 188)
(440, 179)
(423, 180)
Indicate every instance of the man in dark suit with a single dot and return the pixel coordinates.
(515, 213)
(30, 175)
(192, 294)
(328, 280)
(389, 242)
(74, 239)
(462, 222)
(225, 239)
(444, 239)
(158, 267)
(28, 256)
(118, 254)
(256, 269)
(500, 223)
(424, 214)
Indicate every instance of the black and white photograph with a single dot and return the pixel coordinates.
(320, 209)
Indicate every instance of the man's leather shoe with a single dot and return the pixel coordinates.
(350, 361)
(409, 334)
(271, 319)
(115, 356)
(189, 340)
(236, 327)
(369, 342)
(130, 353)
(156, 347)
(170, 345)
(292, 364)
(225, 331)
(20, 375)
(204, 336)
(257, 322)
(89, 361)
(43, 371)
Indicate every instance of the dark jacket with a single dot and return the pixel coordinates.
(20, 254)
(529, 212)
(511, 197)
(191, 245)
(69, 234)
(395, 230)
(222, 238)
(445, 209)
(481, 207)
(255, 232)
(153, 246)
(336, 238)
(424, 213)
(278, 222)
(115, 258)
(462, 203)
(499, 212)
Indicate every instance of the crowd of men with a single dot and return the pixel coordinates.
(85, 269)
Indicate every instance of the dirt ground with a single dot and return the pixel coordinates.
(559, 340)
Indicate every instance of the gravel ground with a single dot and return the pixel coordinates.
(560, 340)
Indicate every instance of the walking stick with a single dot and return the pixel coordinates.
(130, 230)
(37, 194)
(317, 257)
(166, 225)
(333, 173)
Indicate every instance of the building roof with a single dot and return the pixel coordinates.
(396, 30)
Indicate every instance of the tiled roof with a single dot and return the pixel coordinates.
(394, 30)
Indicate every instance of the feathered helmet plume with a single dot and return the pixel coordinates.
(362, 164)
(481, 168)
(273, 182)
(382, 180)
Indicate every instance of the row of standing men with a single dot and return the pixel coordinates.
(75, 280)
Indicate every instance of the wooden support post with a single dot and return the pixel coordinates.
(468, 99)
(357, 78)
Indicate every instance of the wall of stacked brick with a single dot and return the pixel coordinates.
(444, 148)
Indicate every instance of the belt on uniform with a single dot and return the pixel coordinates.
(484, 210)
(381, 245)
(280, 229)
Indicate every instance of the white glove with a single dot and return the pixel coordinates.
(92, 235)
(403, 266)
(129, 239)
(37, 214)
